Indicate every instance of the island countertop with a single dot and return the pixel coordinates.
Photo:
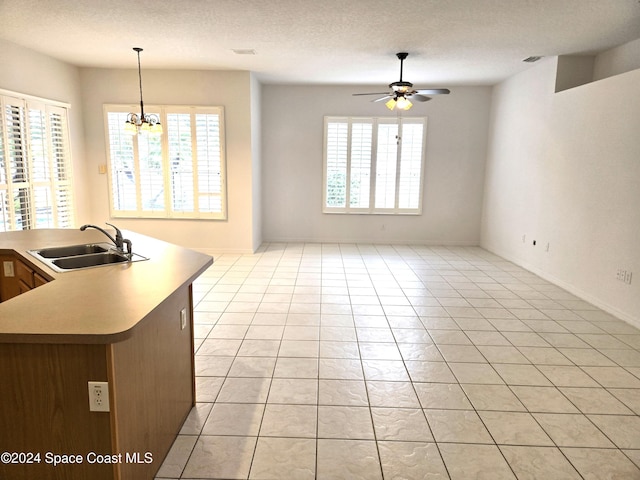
(92, 305)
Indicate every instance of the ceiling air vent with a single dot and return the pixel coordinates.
(244, 51)
(531, 59)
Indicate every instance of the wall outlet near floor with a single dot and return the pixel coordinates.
(98, 396)
(624, 276)
(524, 238)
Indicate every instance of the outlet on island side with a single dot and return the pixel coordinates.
(98, 396)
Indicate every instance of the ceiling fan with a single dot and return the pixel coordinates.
(402, 91)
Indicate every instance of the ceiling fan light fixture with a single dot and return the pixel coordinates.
(403, 103)
(391, 104)
(401, 90)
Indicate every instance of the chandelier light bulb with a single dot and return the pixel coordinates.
(403, 103)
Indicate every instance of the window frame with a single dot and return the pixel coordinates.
(46, 158)
(168, 213)
(371, 209)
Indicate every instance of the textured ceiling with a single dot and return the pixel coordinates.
(451, 42)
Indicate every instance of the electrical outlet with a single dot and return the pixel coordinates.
(7, 267)
(524, 238)
(98, 396)
(546, 249)
(624, 276)
(183, 318)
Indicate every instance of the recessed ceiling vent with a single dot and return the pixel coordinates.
(531, 59)
(244, 51)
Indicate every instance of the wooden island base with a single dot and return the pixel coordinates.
(127, 330)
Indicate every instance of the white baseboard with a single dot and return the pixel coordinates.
(587, 297)
(370, 241)
(219, 251)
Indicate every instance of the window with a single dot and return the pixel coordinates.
(180, 174)
(35, 164)
(373, 165)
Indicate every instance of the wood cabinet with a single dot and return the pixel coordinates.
(120, 324)
(45, 400)
(17, 276)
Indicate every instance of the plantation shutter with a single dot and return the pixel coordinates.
(210, 174)
(123, 168)
(35, 166)
(386, 164)
(337, 134)
(61, 176)
(360, 171)
(410, 177)
(373, 165)
(179, 174)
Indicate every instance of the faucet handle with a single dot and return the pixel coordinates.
(129, 252)
(118, 232)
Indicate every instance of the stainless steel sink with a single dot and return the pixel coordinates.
(72, 250)
(91, 260)
(74, 257)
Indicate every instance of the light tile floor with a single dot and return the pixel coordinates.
(336, 361)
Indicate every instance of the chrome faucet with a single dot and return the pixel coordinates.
(119, 241)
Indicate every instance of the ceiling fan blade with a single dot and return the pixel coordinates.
(378, 93)
(382, 99)
(420, 98)
(434, 91)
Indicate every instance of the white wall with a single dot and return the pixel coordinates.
(620, 59)
(256, 161)
(28, 72)
(292, 137)
(564, 169)
(230, 89)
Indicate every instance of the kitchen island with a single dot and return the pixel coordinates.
(128, 324)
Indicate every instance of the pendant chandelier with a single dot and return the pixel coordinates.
(144, 122)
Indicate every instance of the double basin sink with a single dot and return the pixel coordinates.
(73, 257)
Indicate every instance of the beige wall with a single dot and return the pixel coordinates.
(293, 132)
(563, 169)
(31, 73)
(229, 89)
(621, 59)
(256, 164)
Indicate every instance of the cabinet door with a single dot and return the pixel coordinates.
(38, 279)
(17, 277)
(23, 287)
(25, 273)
